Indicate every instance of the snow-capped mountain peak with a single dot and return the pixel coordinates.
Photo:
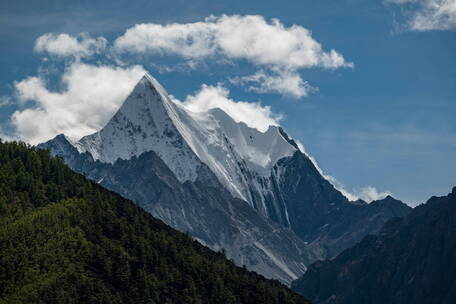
(149, 120)
(292, 216)
(260, 150)
(144, 122)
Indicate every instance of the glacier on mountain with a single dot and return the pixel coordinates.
(150, 121)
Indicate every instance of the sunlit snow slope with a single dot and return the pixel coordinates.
(150, 121)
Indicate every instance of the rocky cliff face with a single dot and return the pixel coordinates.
(203, 208)
(411, 260)
(253, 193)
(321, 215)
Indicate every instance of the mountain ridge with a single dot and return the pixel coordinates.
(203, 208)
(411, 260)
(263, 174)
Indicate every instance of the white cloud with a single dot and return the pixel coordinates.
(248, 37)
(367, 194)
(338, 185)
(92, 94)
(370, 194)
(191, 40)
(427, 15)
(269, 44)
(251, 113)
(5, 100)
(90, 97)
(6, 137)
(65, 45)
(278, 50)
(287, 83)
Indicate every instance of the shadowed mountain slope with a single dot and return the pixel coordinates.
(412, 260)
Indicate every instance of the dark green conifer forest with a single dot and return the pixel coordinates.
(65, 239)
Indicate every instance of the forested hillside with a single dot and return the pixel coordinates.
(64, 239)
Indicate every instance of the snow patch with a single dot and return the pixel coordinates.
(150, 121)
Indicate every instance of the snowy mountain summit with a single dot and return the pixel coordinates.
(230, 186)
(149, 120)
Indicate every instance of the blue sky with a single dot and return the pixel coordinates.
(388, 121)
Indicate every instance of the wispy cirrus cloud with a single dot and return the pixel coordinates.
(5, 100)
(428, 15)
(287, 83)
